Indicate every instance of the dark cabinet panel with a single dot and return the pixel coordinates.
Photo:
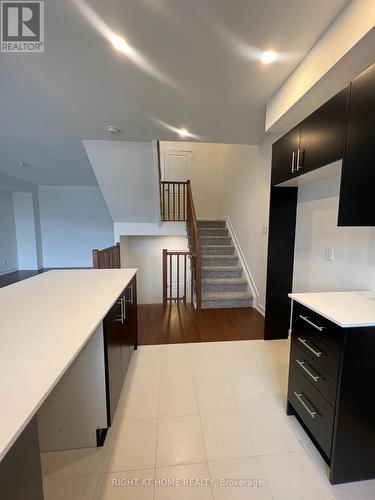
(358, 172)
(284, 156)
(322, 134)
(283, 206)
(113, 334)
(129, 338)
(120, 339)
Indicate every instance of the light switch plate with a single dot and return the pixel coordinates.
(328, 254)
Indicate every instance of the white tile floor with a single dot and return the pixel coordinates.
(201, 413)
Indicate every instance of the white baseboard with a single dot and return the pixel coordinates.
(261, 309)
(245, 267)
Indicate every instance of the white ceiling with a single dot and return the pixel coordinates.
(203, 76)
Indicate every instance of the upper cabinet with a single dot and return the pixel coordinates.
(322, 134)
(317, 141)
(356, 206)
(284, 156)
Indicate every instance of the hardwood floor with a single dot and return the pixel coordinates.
(178, 323)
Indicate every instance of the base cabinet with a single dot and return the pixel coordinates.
(331, 382)
(120, 340)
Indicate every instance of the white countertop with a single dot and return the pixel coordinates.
(346, 309)
(44, 323)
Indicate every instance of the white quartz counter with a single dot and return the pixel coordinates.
(346, 309)
(44, 323)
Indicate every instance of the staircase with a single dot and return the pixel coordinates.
(223, 284)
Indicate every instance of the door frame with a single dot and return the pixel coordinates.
(187, 152)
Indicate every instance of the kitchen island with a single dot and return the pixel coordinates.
(51, 326)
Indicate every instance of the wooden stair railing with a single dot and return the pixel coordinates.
(175, 261)
(107, 258)
(175, 276)
(195, 246)
(173, 197)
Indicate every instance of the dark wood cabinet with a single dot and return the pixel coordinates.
(113, 338)
(331, 380)
(284, 156)
(130, 334)
(358, 172)
(317, 141)
(120, 339)
(322, 134)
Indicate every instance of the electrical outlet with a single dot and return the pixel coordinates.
(328, 254)
(264, 229)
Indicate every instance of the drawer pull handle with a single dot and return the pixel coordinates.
(302, 365)
(312, 413)
(305, 318)
(304, 342)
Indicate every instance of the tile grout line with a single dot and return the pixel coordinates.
(201, 425)
(162, 357)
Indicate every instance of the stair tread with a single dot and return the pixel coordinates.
(223, 281)
(222, 268)
(218, 256)
(210, 296)
(215, 237)
(217, 246)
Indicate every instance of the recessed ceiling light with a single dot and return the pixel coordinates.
(120, 44)
(183, 132)
(113, 130)
(268, 57)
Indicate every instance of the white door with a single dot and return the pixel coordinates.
(178, 166)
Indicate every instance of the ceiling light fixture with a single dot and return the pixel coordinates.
(183, 132)
(268, 57)
(120, 44)
(113, 130)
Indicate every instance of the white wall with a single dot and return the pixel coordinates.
(25, 230)
(245, 179)
(127, 176)
(145, 253)
(206, 175)
(8, 240)
(74, 220)
(353, 267)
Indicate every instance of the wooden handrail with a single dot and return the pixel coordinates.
(195, 246)
(107, 258)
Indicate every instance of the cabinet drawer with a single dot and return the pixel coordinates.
(323, 355)
(306, 321)
(312, 408)
(314, 373)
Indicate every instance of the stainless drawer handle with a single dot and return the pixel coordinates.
(312, 413)
(304, 342)
(302, 365)
(305, 318)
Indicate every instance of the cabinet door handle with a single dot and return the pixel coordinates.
(300, 153)
(313, 412)
(293, 158)
(306, 318)
(302, 365)
(304, 342)
(122, 315)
